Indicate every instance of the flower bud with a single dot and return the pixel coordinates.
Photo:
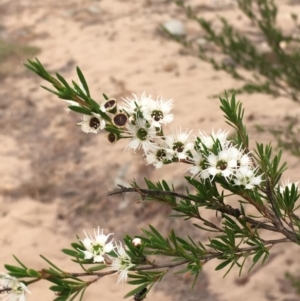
(112, 138)
(136, 242)
(120, 119)
(111, 105)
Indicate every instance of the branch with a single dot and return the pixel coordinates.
(148, 192)
(205, 258)
(224, 209)
(277, 220)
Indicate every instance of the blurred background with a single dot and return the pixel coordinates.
(55, 178)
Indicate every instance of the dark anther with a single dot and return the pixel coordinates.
(157, 115)
(178, 146)
(161, 154)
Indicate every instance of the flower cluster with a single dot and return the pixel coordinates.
(215, 156)
(13, 288)
(141, 119)
(99, 249)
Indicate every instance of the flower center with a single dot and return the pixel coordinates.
(142, 134)
(202, 164)
(161, 154)
(222, 165)
(97, 249)
(125, 262)
(94, 123)
(157, 115)
(18, 290)
(178, 146)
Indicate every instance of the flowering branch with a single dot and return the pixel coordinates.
(219, 167)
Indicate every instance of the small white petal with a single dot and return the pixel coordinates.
(96, 247)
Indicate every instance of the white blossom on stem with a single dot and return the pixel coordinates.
(224, 164)
(244, 161)
(179, 144)
(122, 263)
(142, 135)
(134, 106)
(12, 288)
(157, 112)
(247, 178)
(198, 161)
(96, 247)
(92, 123)
(158, 155)
(209, 140)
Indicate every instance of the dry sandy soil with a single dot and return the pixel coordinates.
(54, 178)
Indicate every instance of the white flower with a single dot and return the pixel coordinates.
(92, 123)
(223, 164)
(210, 140)
(157, 155)
(122, 263)
(141, 135)
(133, 106)
(13, 288)
(179, 144)
(96, 247)
(198, 162)
(244, 161)
(247, 178)
(287, 184)
(157, 112)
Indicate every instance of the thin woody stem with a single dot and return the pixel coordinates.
(205, 258)
(224, 209)
(277, 220)
(148, 192)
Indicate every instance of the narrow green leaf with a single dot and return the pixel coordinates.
(257, 256)
(14, 269)
(63, 81)
(83, 81)
(135, 282)
(70, 252)
(97, 268)
(19, 262)
(57, 288)
(80, 110)
(136, 290)
(74, 296)
(52, 264)
(223, 264)
(33, 273)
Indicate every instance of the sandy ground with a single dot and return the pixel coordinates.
(54, 178)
